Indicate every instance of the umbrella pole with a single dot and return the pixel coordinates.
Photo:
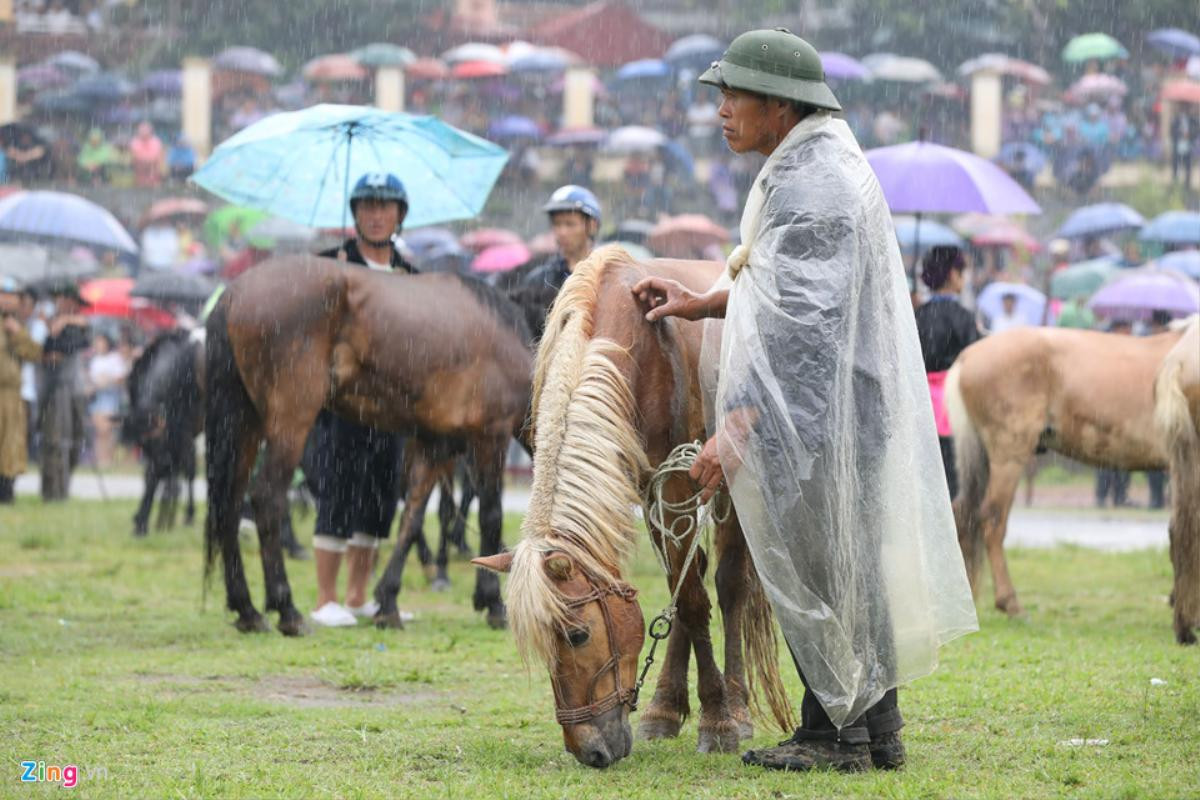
(342, 256)
(917, 252)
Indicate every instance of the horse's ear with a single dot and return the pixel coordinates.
(501, 562)
(558, 566)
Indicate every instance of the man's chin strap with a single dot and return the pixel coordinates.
(373, 243)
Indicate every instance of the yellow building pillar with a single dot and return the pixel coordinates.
(197, 105)
(986, 99)
(389, 88)
(579, 99)
(8, 90)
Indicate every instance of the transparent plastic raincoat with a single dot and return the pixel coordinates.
(825, 431)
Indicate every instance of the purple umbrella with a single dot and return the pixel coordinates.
(163, 81)
(41, 76)
(840, 66)
(1138, 293)
(568, 137)
(922, 177)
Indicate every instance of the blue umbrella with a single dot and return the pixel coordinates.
(247, 59)
(423, 239)
(932, 234)
(569, 137)
(679, 157)
(74, 60)
(66, 102)
(646, 68)
(163, 81)
(1030, 156)
(300, 165)
(1185, 261)
(514, 127)
(1175, 42)
(1099, 219)
(1173, 227)
(698, 48)
(104, 87)
(539, 61)
(1031, 304)
(64, 217)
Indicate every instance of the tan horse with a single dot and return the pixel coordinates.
(1087, 395)
(612, 396)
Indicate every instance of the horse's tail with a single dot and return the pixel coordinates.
(761, 648)
(971, 463)
(228, 411)
(1182, 443)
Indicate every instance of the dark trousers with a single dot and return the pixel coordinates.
(360, 485)
(6, 488)
(1157, 479)
(947, 446)
(883, 717)
(1114, 481)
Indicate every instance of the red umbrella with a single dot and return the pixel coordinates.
(174, 207)
(685, 236)
(333, 68)
(478, 69)
(427, 69)
(1182, 91)
(501, 258)
(482, 239)
(1006, 234)
(108, 297)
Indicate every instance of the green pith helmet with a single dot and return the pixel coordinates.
(776, 63)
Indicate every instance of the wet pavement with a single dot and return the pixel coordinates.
(1109, 529)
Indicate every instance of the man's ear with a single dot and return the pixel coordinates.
(501, 562)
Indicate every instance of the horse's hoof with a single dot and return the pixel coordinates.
(252, 623)
(440, 584)
(1185, 636)
(1009, 605)
(430, 571)
(292, 624)
(497, 618)
(389, 621)
(745, 726)
(719, 738)
(659, 727)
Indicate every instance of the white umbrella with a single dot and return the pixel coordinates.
(905, 69)
(634, 139)
(474, 51)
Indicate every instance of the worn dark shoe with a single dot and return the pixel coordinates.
(803, 755)
(887, 751)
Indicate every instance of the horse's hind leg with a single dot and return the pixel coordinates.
(141, 519)
(1002, 486)
(488, 459)
(189, 472)
(237, 592)
(269, 499)
(446, 511)
(732, 565)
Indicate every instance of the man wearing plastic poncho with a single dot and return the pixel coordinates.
(824, 430)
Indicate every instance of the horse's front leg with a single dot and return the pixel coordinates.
(733, 563)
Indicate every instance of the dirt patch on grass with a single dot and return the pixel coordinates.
(296, 691)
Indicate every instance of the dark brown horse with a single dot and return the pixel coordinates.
(438, 357)
(613, 395)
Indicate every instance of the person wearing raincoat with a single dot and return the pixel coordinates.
(822, 425)
(16, 347)
(96, 155)
(359, 466)
(62, 398)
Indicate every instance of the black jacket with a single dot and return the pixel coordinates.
(355, 256)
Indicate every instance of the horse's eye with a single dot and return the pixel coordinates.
(578, 637)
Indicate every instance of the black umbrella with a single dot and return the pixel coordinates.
(634, 230)
(172, 287)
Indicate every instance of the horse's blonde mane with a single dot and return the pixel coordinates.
(588, 464)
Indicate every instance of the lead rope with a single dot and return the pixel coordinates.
(690, 514)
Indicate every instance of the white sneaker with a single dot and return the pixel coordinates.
(333, 615)
(367, 609)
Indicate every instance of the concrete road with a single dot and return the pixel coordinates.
(1028, 527)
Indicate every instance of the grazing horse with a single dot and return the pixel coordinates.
(1087, 395)
(1177, 412)
(613, 395)
(439, 357)
(166, 397)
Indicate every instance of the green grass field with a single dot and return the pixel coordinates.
(112, 661)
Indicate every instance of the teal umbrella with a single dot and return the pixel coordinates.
(1082, 279)
(383, 54)
(301, 165)
(1093, 46)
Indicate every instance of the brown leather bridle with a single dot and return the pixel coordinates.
(620, 695)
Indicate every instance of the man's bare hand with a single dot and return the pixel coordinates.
(707, 471)
(660, 297)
